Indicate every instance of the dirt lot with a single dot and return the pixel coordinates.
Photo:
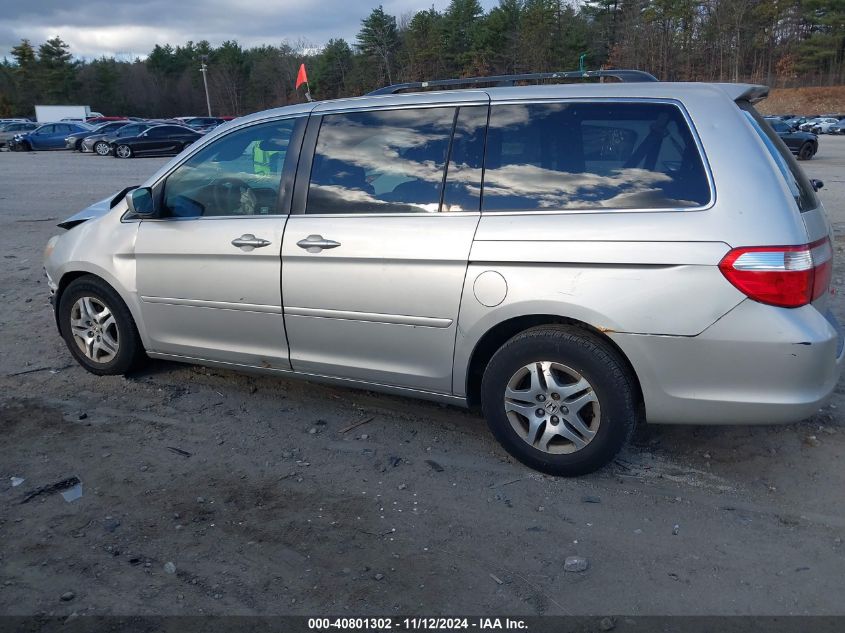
(278, 511)
(806, 101)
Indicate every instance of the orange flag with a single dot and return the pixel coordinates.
(301, 77)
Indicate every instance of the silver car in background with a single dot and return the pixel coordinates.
(573, 259)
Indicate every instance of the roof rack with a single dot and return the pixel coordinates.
(510, 80)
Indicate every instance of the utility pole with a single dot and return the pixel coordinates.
(204, 71)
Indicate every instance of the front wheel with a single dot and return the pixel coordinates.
(559, 399)
(123, 151)
(102, 148)
(98, 328)
(806, 152)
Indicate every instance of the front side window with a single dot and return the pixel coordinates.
(238, 174)
(602, 155)
(385, 161)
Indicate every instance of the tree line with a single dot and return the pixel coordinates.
(776, 42)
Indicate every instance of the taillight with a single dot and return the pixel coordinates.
(785, 276)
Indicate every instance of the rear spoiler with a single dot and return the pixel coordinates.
(745, 92)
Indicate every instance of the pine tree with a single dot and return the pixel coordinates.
(56, 71)
(378, 40)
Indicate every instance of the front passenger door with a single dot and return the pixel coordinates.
(208, 271)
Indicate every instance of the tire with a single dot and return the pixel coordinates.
(807, 151)
(78, 146)
(92, 303)
(605, 397)
(101, 148)
(123, 151)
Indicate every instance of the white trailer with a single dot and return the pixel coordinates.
(53, 113)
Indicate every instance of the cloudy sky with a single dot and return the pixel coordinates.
(129, 28)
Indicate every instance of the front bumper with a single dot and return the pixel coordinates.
(756, 365)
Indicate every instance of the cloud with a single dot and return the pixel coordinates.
(128, 28)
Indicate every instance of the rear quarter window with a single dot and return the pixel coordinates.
(795, 178)
(592, 155)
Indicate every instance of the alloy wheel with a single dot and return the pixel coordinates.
(94, 329)
(552, 407)
(102, 148)
(123, 151)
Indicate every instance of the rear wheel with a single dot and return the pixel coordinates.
(98, 328)
(123, 151)
(806, 151)
(559, 399)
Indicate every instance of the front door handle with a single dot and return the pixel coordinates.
(248, 241)
(316, 243)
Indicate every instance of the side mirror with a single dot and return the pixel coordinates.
(817, 184)
(141, 203)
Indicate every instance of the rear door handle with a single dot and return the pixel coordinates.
(316, 243)
(248, 241)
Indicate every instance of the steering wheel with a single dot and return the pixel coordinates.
(232, 196)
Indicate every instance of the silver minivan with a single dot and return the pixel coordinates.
(570, 258)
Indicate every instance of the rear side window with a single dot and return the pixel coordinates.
(795, 178)
(603, 155)
(384, 161)
(164, 131)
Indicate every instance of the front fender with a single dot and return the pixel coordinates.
(104, 247)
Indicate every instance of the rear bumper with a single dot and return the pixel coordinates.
(756, 365)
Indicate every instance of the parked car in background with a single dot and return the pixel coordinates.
(159, 140)
(796, 122)
(819, 125)
(100, 144)
(105, 119)
(74, 141)
(47, 136)
(203, 123)
(11, 129)
(839, 128)
(803, 144)
(570, 300)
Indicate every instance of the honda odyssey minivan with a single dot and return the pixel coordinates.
(572, 259)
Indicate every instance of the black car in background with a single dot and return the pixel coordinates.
(101, 143)
(160, 140)
(74, 141)
(803, 144)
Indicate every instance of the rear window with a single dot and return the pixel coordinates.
(600, 155)
(797, 181)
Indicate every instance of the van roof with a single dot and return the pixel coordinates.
(652, 89)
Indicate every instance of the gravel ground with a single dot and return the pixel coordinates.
(269, 506)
